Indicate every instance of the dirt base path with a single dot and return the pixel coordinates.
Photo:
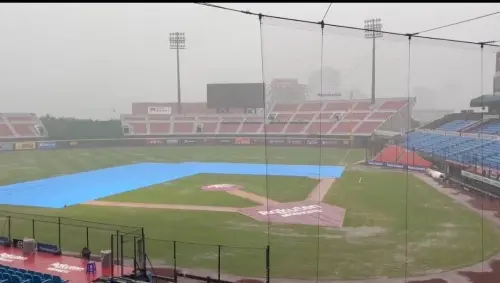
(320, 191)
(163, 206)
(253, 197)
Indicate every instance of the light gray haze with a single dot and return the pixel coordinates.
(84, 60)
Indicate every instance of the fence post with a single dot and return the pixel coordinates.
(117, 247)
(143, 255)
(59, 232)
(175, 262)
(112, 257)
(268, 263)
(135, 255)
(218, 263)
(9, 224)
(121, 254)
(87, 232)
(33, 227)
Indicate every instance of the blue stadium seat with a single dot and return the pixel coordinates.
(457, 125)
(18, 275)
(492, 128)
(465, 150)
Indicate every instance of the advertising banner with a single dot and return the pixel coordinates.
(4, 241)
(159, 110)
(154, 142)
(479, 178)
(25, 145)
(258, 141)
(312, 142)
(171, 142)
(330, 142)
(47, 145)
(242, 141)
(294, 142)
(190, 142)
(48, 248)
(208, 142)
(225, 141)
(396, 166)
(6, 146)
(275, 141)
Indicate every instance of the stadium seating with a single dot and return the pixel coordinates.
(367, 127)
(456, 125)
(18, 275)
(461, 149)
(492, 128)
(393, 105)
(183, 128)
(21, 125)
(251, 127)
(328, 117)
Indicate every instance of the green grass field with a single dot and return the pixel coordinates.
(389, 218)
(188, 190)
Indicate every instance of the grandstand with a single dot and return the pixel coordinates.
(470, 139)
(21, 125)
(338, 117)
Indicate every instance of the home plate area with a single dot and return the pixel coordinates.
(302, 212)
(307, 212)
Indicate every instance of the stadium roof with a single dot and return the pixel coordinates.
(485, 100)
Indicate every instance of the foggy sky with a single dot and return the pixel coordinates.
(84, 60)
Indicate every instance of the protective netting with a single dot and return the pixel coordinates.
(251, 146)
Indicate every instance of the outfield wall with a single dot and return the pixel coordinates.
(178, 141)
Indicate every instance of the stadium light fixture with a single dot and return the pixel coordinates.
(373, 30)
(178, 42)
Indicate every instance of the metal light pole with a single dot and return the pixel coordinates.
(373, 29)
(177, 42)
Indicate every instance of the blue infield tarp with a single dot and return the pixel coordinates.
(57, 192)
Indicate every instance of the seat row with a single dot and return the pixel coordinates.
(18, 275)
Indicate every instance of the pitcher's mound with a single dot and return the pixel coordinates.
(302, 212)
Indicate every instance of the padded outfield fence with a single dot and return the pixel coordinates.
(206, 140)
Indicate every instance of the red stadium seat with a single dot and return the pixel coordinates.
(183, 127)
(367, 127)
(336, 117)
(380, 115)
(345, 127)
(5, 131)
(393, 105)
(158, 128)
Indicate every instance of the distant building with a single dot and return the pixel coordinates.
(326, 88)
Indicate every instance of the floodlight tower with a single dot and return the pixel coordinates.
(373, 30)
(178, 42)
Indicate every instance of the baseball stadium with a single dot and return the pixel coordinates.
(315, 163)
